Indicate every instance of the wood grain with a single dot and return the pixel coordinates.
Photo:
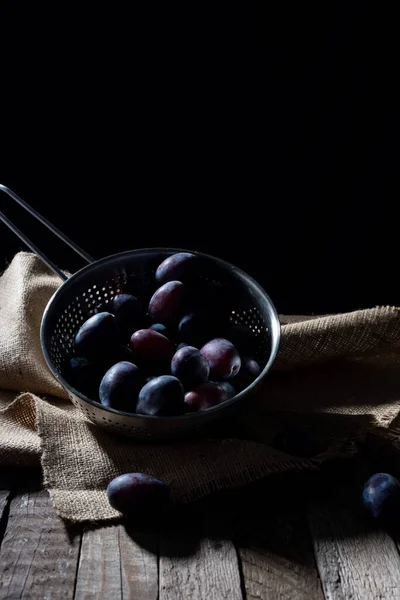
(38, 556)
(113, 565)
(210, 573)
(355, 560)
(277, 558)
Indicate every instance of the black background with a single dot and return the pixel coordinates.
(262, 132)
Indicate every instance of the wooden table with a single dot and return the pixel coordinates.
(272, 542)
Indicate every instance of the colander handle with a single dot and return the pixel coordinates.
(49, 226)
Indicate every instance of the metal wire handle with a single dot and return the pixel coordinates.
(48, 225)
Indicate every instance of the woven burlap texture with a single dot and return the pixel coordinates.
(337, 374)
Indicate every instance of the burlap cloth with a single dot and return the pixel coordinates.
(337, 374)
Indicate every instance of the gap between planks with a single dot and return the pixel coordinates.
(38, 556)
(277, 557)
(209, 572)
(41, 558)
(117, 564)
(355, 558)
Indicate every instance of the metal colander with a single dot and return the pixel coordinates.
(75, 301)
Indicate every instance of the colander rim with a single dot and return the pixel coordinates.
(275, 335)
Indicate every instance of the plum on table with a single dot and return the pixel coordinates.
(138, 494)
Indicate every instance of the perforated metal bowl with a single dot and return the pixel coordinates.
(75, 301)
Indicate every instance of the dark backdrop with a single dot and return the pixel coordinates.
(262, 132)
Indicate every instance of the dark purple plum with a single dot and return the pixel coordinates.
(249, 371)
(223, 358)
(205, 396)
(180, 266)
(190, 366)
(128, 312)
(163, 396)
(297, 441)
(150, 346)
(98, 337)
(120, 387)
(381, 497)
(84, 376)
(138, 494)
(197, 328)
(160, 328)
(166, 303)
(181, 345)
(242, 338)
(228, 387)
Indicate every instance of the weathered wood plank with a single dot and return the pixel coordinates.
(211, 573)
(113, 565)
(139, 565)
(355, 560)
(38, 556)
(277, 558)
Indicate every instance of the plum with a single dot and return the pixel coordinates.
(381, 497)
(198, 327)
(98, 337)
(249, 371)
(190, 366)
(166, 303)
(128, 311)
(160, 328)
(179, 266)
(138, 493)
(163, 396)
(120, 387)
(205, 396)
(151, 346)
(228, 387)
(223, 358)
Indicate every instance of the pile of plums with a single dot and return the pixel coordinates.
(173, 354)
